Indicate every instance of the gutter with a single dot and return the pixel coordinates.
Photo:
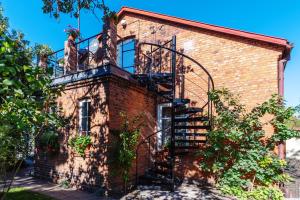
(281, 67)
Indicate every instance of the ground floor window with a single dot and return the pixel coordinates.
(164, 124)
(84, 116)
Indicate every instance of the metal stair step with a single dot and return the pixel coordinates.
(165, 93)
(189, 141)
(188, 147)
(192, 119)
(163, 164)
(160, 75)
(160, 172)
(164, 86)
(190, 110)
(149, 178)
(190, 134)
(181, 102)
(192, 127)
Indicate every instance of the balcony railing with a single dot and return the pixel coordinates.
(90, 54)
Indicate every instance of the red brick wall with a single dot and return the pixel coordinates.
(246, 67)
(127, 97)
(108, 97)
(83, 172)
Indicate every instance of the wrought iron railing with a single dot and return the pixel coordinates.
(89, 52)
(190, 80)
(189, 72)
(151, 146)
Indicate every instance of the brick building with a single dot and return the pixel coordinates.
(162, 66)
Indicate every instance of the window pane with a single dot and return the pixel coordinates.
(126, 55)
(85, 116)
(84, 109)
(166, 112)
(166, 133)
(84, 124)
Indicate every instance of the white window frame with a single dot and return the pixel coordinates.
(159, 123)
(80, 116)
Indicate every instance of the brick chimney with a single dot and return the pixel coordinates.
(109, 41)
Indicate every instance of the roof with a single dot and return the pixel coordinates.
(179, 21)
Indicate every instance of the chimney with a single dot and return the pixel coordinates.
(109, 41)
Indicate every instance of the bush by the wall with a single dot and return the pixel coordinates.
(239, 155)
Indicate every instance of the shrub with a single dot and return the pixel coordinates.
(239, 155)
(49, 142)
(126, 142)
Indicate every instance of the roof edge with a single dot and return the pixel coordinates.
(244, 34)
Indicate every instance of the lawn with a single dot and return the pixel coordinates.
(21, 193)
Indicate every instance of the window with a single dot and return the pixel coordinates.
(84, 116)
(126, 55)
(164, 123)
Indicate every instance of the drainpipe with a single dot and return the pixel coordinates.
(281, 67)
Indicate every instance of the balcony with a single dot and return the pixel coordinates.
(91, 61)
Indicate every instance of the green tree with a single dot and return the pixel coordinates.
(72, 7)
(26, 96)
(239, 155)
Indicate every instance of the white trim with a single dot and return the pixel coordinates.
(80, 114)
(159, 123)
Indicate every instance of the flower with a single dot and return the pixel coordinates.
(72, 31)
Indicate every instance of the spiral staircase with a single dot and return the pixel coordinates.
(171, 74)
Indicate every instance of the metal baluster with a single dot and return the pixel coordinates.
(88, 61)
(208, 103)
(77, 64)
(149, 151)
(55, 65)
(172, 149)
(122, 47)
(160, 58)
(136, 166)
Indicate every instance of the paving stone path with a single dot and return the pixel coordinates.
(53, 190)
(185, 191)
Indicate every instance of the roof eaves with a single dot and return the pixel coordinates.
(254, 36)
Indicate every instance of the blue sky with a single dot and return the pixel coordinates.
(271, 17)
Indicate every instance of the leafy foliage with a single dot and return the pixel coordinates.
(128, 136)
(49, 142)
(25, 97)
(55, 7)
(239, 155)
(80, 143)
(42, 50)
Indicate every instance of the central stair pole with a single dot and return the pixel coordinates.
(172, 149)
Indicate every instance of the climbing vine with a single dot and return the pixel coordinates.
(239, 155)
(128, 136)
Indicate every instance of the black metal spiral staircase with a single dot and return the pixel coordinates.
(190, 121)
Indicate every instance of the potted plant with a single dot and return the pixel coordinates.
(72, 33)
(42, 52)
(49, 143)
(80, 144)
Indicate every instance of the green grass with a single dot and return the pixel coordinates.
(21, 193)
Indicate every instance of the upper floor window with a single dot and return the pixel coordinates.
(85, 116)
(126, 54)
